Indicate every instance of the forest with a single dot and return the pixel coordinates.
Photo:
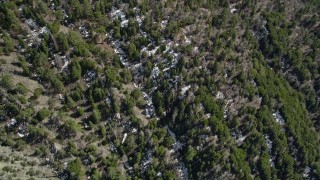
(144, 89)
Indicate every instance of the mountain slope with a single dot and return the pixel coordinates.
(162, 90)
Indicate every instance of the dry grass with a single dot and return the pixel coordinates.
(12, 69)
(21, 164)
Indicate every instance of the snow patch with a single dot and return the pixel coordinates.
(124, 138)
(118, 13)
(155, 72)
(269, 146)
(177, 144)
(306, 172)
(12, 122)
(20, 135)
(220, 95)
(124, 23)
(279, 119)
(183, 91)
(164, 24)
(187, 40)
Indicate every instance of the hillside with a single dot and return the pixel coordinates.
(169, 89)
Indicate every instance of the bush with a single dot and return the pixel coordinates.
(22, 89)
(98, 94)
(126, 76)
(3, 61)
(80, 47)
(22, 99)
(69, 129)
(8, 142)
(37, 134)
(23, 163)
(136, 93)
(25, 68)
(103, 131)
(8, 44)
(57, 84)
(96, 174)
(80, 111)
(133, 52)
(62, 41)
(70, 102)
(8, 169)
(43, 113)
(75, 70)
(31, 172)
(6, 82)
(96, 116)
(87, 65)
(40, 60)
(37, 92)
(75, 169)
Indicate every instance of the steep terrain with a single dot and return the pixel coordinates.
(146, 89)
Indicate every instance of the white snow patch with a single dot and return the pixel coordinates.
(124, 138)
(269, 146)
(269, 143)
(147, 162)
(12, 122)
(118, 116)
(183, 91)
(306, 172)
(201, 106)
(147, 98)
(226, 107)
(164, 24)
(187, 40)
(279, 119)
(149, 110)
(208, 115)
(220, 95)
(134, 130)
(118, 13)
(135, 85)
(155, 72)
(177, 144)
(65, 65)
(150, 52)
(108, 101)
(20, 135)
(85, 125)
(196, 49)
(124, 23)
(44, 30)
(84, 32)
(165, 69)
(139, 19)
(241, 139)
(61, 97)
(90, 76)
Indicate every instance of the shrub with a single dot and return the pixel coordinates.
(75, 169)
(6, 82)
(43, 113)
(37, 92)
(96, 116)
(80, 111)
(22, 89)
